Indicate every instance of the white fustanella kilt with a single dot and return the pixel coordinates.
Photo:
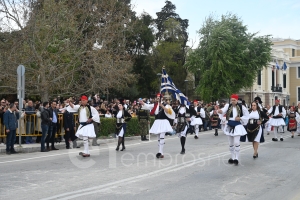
(277, 122)
(196, 121)
(86, 131)
(160, 126)
(239, 130)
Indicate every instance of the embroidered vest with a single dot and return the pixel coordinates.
(239, 110)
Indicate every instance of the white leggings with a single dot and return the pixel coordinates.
(161, 142)
(86, 145)
(234, 146)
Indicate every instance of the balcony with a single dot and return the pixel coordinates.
(276, 89)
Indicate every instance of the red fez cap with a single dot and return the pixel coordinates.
(195, 101)
(234, 96)
(84, 97)
(159, 95)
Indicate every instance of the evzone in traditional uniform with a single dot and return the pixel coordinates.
(254, 127)
(196, 120)
(237, 116)
(183, 116)
(278, 113)
(214, 120)
(164, 114)
(292, 125)
(86, 127)
(122, 116)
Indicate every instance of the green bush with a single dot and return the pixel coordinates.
(108, 126)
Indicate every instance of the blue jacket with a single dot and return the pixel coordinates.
(10, 120)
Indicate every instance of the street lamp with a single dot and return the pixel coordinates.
(159, 81)
(186, 81)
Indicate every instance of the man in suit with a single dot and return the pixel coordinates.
(52, 127)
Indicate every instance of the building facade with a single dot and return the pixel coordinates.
(281, 78)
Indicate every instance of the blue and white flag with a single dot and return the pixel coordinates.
(277, 66)
(168, 85)
(284, 66)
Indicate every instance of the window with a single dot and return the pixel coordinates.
(259, 77)
(284, 80)
(293, 52)
(298, 94)
(298, 72)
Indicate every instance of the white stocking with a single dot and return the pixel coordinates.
(275, 131)
(196, 129)
(161, 143)
(86, 145)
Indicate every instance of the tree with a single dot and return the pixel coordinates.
(227, 57)
(170, 50)
(68, 47)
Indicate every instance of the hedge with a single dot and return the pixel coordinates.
(108, 126)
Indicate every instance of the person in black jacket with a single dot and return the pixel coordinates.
(53, 126)
(45, 122)
(69, 126)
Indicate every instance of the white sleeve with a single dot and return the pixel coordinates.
(283, 112)
(225, 109)
(270, 110)
(211, 113)
(95, 115)
(245, 117)
(147, 106)
(74, 109)
(202, 113)
(297, 117)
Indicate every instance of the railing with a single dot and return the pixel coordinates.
(276, 89)
(31, 124)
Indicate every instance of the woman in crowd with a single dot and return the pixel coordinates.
(292, 123)
(122, 117)
(254, 127)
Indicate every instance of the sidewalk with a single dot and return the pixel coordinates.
(36, 147)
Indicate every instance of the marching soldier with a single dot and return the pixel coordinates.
(144, 119)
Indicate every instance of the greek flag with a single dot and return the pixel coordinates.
(168, 85)
(277, 66)
(284, 66)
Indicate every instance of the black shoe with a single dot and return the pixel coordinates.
(292, 136)
(117, 149)
(7, 152)
(230, 161)
(158, 155)
(53, 148)
(13, 151)
(274, 139)
(281, 139)
(45, 150)
(123, 148)
(235, 161)
(142, 138)
(182, 151)
(256, 156)
(67, 147)
(196, 137)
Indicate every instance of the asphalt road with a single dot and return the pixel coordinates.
(202, 173)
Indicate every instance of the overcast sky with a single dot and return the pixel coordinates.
(279, 18)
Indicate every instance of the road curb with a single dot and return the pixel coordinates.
(30, 148)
